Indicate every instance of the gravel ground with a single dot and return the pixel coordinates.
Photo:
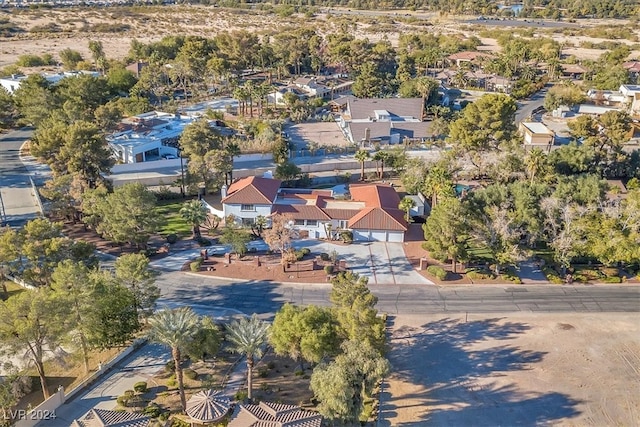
(521, 369)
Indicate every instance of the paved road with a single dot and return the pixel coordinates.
(526, 107)
(265, 297)
(17, 202)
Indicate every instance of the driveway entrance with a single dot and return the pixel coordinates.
(383, 263)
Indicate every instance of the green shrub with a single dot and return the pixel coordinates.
(610, 271)
(129, 393)
(122, 400)
(328, 269)
(170, 366)
(195, 265)
(30, 61)
(190, 373)
(305, 251)
(152, 410)
(149, 252)
(172, 383)
(203, 241)
(140, 387)
(475, 274)
(324, 256)
(346, 236)
(262, 373)
(172, 238)
(612, 279)
(299, 255)
(552, 275)
(438, 272)
(589, 274)
(298, 373)
(176, 422)
(240, 396)
(512, 278)
(136, 402)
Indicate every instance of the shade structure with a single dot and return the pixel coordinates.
(208, 406)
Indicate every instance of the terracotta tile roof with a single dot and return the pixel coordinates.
(573, 68)
(268, 414)
(341, 214)
(379, 219)
(375, 195)
(105, 418)
(301, 212)
(633, 66)
(252, 190)
(468, 55)
(341, 209)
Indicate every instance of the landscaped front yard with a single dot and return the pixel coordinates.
(169, 210)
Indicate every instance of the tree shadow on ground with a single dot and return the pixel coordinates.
(255, 296)
(454, 371)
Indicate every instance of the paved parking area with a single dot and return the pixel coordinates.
(383, 263)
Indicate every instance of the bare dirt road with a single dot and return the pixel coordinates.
(520, 369)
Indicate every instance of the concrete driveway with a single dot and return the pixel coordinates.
(141, 365)
(383, 263)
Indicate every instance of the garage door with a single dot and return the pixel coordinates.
(361, 235)
(378, 236)
(395, 236)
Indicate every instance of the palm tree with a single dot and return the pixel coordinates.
(248, 336)
(195, 214)
(381, 156)
(362, 156)
(425, 86)
(406, 204)
(437, 184)
(534, 163)
(176, 329)
(528, 73)
(233, 149)
(460, 78)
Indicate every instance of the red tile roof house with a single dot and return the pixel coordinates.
(372, 213)
(248, 198)
(468, 56)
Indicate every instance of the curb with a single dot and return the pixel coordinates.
(232, 279)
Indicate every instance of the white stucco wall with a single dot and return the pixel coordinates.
(235, 210)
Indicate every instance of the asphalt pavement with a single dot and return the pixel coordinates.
(17, 200)
(264, 297)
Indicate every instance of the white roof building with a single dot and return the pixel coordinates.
(11, 84)
(148, 137)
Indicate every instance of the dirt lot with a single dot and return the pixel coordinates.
(521, 369)
(146, 24)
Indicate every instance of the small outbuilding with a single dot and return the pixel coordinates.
(536, 134)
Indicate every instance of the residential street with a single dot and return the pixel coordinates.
(17, 202)
(266, 297)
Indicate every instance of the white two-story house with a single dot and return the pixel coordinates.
(249, 198)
